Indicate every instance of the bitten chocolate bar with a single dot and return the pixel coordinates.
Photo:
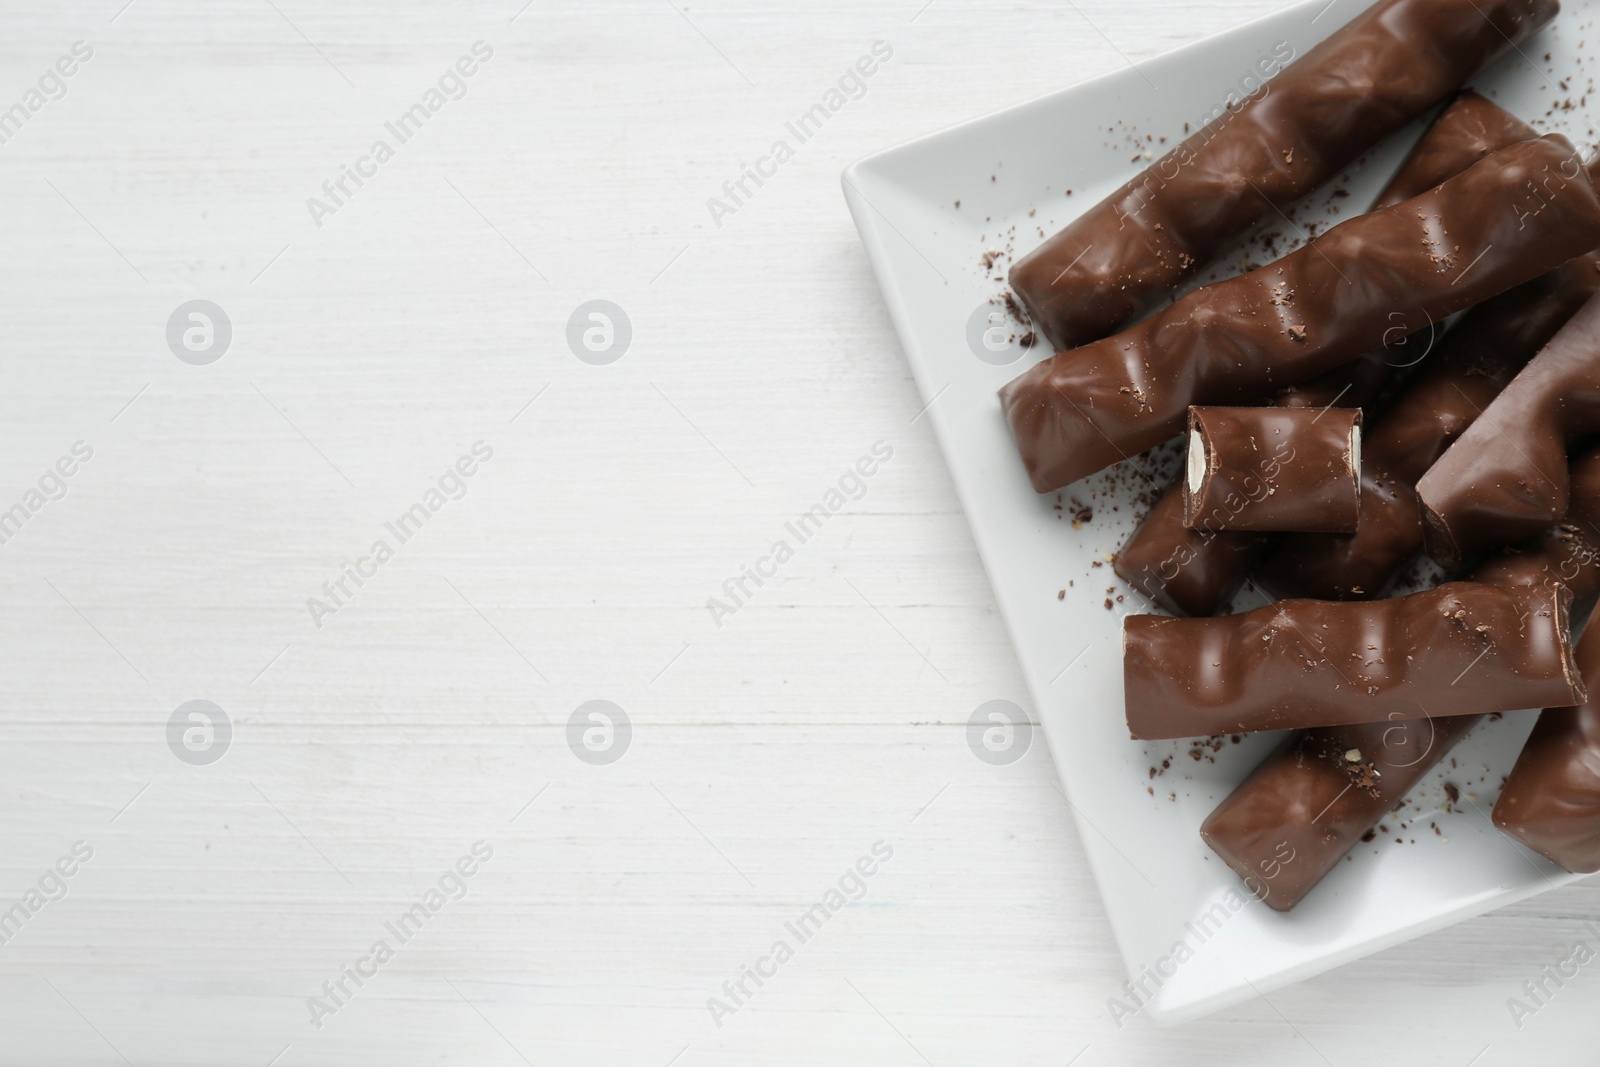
(1188, 572)
(1460, 649)
(1506, 477)
(1511, 217)
(1551, 801)
(1273, 469)
(1387, 66)
(1464, 373)
(1307, 805)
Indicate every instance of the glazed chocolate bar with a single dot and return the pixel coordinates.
(1506, 477)
(1386, 67)
(1464, 373)
(1460, 649)
(1511, 217)
(1470, 128)
(1188, 572)
(1305, 807)
(1273, 469)
(1184, 571)
(1568, 552)
(1551, 801)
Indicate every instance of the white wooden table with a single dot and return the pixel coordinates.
(429, 709)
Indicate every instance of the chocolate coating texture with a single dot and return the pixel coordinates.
(1184, 571)
(1551, 801)
(1305, 807)
(1460, 378)
(1387, 66)
(1460, 649)
(1468, 129)
(1273, 469)
(1505, 478)
(1511, 217)
(1353, 385)
(1567, 552)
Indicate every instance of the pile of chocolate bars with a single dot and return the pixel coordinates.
(1325, 456)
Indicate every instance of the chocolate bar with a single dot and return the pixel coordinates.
(1461, 376)
(1460, 649)
(1306, 806)
(1184, 571)
(1273, 469)
(1511, 217)
(1468, 129)
(1568, 552)
(1188, 572)
(1505, 478)
(1386, 67)
(1551, 801)
(1352, 385)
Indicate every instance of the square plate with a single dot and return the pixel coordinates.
(1192, 940)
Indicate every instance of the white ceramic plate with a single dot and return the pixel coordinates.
(1161, 886)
